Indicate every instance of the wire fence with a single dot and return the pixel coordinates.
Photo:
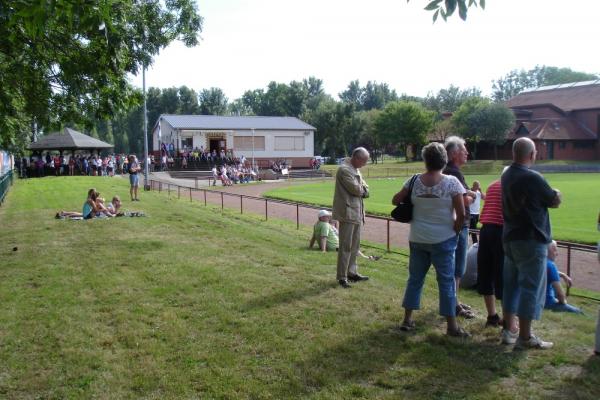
(6, 181)
(579, 258)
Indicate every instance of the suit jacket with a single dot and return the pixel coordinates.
(348, 204)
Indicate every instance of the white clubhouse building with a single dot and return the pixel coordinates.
(262, 138)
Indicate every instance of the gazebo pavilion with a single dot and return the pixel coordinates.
(69, 139)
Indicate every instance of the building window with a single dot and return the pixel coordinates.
(245, 143)
(289, 143)
(583, 144)
(562, 144)
(187, 143)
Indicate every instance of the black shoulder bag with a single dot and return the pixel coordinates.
(403, 211)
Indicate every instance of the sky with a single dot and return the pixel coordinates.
(248, 43)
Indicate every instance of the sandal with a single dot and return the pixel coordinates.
(407, 326)
(460, 332)
(465, 306)
(462, 312)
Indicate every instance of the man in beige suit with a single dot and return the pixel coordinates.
(348, 209)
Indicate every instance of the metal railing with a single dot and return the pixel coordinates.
(297, 206)
(6, 181)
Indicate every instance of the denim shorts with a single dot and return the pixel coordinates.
(460, 258)
(441, 255)
(134, 180)
(524, 278)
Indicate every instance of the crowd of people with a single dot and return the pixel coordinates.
(68, 165)
(515, 253)
(234, 173)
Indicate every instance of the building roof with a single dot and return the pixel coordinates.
(566, 97)
(69, 139)
(551, 129)
(238, 123)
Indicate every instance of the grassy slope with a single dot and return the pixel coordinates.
(190, 303)
(575, 220)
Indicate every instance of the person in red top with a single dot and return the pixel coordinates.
(490, 256)
(57, 166)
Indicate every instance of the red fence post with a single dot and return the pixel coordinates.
(222, 203)
(178, 191)
(266, 210)
(204, 197)
(388, 235)
(241, 204)
(568, 265)
(190, 194)
(297, 216)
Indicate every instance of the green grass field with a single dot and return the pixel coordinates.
(190, 303)
(575, 220)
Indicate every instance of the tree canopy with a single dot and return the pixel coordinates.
(68, 60)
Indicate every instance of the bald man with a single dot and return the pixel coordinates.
(349, 210)
(526, 197)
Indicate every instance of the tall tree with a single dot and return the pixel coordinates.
(463, 120)
(70, 59)
(493, 122)
(353, 95)
(213, 102)
(188, 99)
(517, 80)
(450, 99)
(404, 123)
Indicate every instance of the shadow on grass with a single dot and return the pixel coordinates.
(424, 363)
(289, 296)
(583, 385)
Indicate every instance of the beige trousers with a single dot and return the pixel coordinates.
(348, 250)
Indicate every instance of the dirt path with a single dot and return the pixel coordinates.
(585, 270)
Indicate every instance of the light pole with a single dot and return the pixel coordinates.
(146, 185)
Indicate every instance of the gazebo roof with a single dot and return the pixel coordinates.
(69, 139)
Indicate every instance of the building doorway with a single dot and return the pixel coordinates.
(215, 144)
(550, 154)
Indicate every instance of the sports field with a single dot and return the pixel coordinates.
(192, 302)
(575, 220)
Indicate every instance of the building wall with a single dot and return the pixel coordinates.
(572, 150)
(201, 139)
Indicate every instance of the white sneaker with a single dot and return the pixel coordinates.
(533, 343)
(509, 337)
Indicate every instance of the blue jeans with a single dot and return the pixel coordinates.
(441, 255)
(524, 278)
(460, 257)
(558, 307)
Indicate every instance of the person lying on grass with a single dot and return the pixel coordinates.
(89, 208)
(93, 207)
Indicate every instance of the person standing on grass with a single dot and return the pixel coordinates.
(438, 216)
(474, 208)
(134, 179)
(526, 197)
(349, 210)
(490, 256)
(457, 157)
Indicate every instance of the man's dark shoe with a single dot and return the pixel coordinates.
(358, 278)
(494, 321)
(344, 283)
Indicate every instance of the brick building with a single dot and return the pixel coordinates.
(563, 121)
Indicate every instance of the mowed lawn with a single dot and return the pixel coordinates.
(189, 302)
(575, 220)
